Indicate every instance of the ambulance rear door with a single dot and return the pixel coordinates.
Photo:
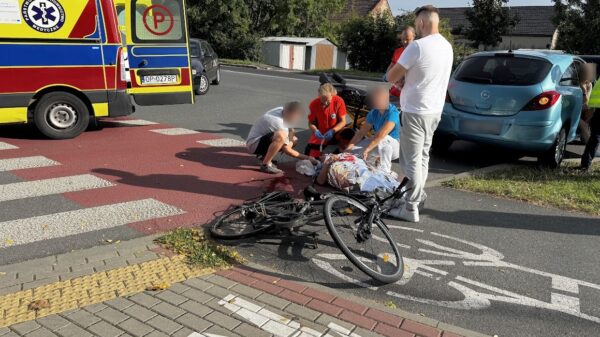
(158, 52)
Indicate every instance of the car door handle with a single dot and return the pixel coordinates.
(143, 63)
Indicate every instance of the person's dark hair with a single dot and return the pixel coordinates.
(347, 134)
(292, 106)
(428, 9)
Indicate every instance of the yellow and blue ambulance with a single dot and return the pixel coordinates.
(64, 63)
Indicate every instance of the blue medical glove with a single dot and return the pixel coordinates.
(385, 77)
(329, 135)
(319, 135)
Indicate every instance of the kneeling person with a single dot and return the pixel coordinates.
(326, 119)
(274, 133)
(384, 121)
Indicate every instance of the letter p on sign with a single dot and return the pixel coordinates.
(158, 20)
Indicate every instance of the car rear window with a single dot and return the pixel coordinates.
(195, 50)
(503, 70)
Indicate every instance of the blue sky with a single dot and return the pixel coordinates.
(398, 5)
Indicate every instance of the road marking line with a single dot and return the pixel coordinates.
(53, 186)
(95, 288)
(565, 301)
(175, 132)
(407, 228)
(6, 146)
(23, 231)
(273, 323)
(23, 163)
(135, 122)
(223, 142)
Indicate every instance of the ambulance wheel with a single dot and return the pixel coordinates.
(60, 115)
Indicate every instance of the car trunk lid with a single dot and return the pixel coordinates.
(500, 84)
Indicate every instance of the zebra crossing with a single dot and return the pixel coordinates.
(27, 230)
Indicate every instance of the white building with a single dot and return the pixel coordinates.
(298, 53)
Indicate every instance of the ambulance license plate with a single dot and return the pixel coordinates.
(159, 79)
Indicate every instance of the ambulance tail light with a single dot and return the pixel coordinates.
(122, 68)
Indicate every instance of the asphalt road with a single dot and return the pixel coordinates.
(491, 265)
(494, 266)
(245, 94)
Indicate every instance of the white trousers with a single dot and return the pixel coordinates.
(415, 143)
(387, 151)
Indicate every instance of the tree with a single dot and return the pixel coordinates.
(460, 49)
(489, 21)
(306, 18)
(578, 23)
(369, 41)
(226, 25)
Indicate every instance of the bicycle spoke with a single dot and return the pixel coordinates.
(372, 251)
(369, 246)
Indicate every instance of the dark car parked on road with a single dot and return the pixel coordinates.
(206, 69)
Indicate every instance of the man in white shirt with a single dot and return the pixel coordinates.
(426, 65)
(274, 133)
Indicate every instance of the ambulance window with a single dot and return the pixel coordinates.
(121, 14)
(158, 21)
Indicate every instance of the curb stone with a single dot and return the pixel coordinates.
(268, 273)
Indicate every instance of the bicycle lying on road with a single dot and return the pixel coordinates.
(354, 222)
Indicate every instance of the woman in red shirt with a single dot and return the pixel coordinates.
(327, 117)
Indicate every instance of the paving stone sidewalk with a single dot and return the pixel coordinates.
(241, 301)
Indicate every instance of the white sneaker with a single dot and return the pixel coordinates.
(404, 214)
(399, 203)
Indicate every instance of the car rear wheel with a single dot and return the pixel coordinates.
(60, 115)
(204, 85)
(217, 80)
(554, 157)
(441, 142)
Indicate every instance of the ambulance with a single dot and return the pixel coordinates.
(66, 63)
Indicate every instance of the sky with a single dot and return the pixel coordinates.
(399, 5)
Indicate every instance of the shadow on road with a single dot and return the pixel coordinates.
(20, 131)
(238, 129)
(186, 183)
(534, 222)
(229, 158)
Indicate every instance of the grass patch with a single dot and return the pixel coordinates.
(565, 188)
(352, 72)
(200, 251)
(237, 62)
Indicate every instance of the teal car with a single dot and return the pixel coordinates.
(526, 100)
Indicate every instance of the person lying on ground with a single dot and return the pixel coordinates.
(384, 120)
(349, 173)
(326, 119)
(274, 133)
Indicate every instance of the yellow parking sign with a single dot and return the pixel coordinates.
(595, 97)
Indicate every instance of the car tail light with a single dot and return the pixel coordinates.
(543, 101)
(122, 68)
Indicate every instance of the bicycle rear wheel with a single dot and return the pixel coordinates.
(240, 223)
(375, 253)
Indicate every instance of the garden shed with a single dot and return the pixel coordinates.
(298, 53)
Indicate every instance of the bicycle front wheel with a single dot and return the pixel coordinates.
(370, 247)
